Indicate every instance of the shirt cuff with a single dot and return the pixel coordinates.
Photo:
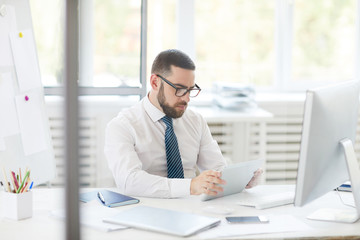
(180, 187)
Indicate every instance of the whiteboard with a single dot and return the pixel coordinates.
(25, 140)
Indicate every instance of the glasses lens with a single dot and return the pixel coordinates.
(181, 92)
(194, 92)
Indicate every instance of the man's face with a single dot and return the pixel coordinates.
(172, 105)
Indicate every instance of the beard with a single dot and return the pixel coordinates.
(170, 111)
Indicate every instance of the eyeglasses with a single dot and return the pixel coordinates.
(182, 91)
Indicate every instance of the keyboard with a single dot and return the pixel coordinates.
(267, 201)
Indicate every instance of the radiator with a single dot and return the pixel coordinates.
(237, 141)
(283, 139)
(87, 150)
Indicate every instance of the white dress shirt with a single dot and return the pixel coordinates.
(135, 150)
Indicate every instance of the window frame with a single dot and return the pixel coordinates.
(96, 91)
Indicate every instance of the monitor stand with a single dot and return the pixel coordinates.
(342, 215)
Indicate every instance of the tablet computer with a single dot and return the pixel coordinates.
(237, 176)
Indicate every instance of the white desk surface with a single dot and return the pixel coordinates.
(43, 226)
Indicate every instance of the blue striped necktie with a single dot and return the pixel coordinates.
(174, 164)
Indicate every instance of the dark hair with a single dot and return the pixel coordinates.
(164, 60)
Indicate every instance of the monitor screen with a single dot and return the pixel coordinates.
(330, 115)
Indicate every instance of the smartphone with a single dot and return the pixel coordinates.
(247, 219)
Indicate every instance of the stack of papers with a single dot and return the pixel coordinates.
(234, 96)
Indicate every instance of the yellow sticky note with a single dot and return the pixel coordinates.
(20, 34)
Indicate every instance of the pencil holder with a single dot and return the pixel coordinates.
(18, 206)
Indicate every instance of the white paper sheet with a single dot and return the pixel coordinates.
(91, 215)
(277, 224)
(2, 145)
(7, 25)
(25, 59)
(31, 121)
(9, 118)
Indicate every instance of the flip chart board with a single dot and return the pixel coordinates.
(25, 140)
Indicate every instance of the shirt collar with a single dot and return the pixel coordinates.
(154, 113)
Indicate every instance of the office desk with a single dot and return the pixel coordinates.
(43, 226)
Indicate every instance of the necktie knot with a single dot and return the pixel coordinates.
(168, 121)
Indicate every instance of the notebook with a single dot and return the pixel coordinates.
(237, 176)
(108, 198)
(163, 220)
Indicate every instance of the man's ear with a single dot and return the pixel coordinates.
(154, 82)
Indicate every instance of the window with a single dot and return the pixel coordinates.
(48, 33)
(234, 41)
(271, 44)
(161, 28)
(324, 44)
(116, 44)
(110, 45)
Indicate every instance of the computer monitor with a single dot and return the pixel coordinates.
(327, 157)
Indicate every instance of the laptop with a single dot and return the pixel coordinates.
(237, 176)
(163, 220)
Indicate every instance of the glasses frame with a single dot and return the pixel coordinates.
(188, 90)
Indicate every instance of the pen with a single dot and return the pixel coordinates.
(16, 184)
(22, 184)
(27, 184)
(20, 174)
(13, 182)
(101, 197)
(24, 188)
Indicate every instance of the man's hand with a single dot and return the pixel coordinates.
(206, 183)
(255, 179)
